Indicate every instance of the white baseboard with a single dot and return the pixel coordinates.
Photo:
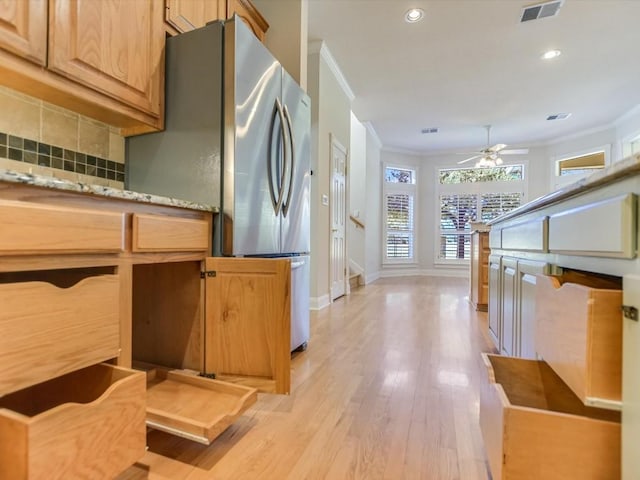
(428, 272)
(318, 303)
(372, 277)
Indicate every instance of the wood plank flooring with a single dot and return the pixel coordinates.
(388, 389)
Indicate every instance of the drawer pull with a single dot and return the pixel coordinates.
(630, 312)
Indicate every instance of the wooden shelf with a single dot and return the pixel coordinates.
(193, 407)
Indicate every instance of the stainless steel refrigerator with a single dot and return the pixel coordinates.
(237, 136)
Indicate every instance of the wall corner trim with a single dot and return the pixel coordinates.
(321, 47)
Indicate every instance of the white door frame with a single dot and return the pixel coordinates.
(338, 222)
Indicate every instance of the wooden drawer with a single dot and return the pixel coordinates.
(86, 424)
(535, 428)
(158, 233)
(33, 228)
(529, 236)
(193, 407)
(579, 333)
(55, 322)
(601, 229)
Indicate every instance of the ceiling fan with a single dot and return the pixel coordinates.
(489, 157)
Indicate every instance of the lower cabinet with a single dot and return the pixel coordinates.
(495, 298)
(512, 304)
(86, 424)
(210, 334)
(509, 297)
(534, 427)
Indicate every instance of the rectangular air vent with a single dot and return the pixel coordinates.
(430, 130)
(541, 10)
(559, 116)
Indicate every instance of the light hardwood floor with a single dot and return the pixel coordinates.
(388, 389)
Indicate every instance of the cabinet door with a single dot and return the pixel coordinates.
(509, 312)
(495, 291)
(23, 29)
(250, 15)
(186, 15)
(526, 306)
(248, 321)
(113, 47)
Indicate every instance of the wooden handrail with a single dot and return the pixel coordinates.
(358, 223)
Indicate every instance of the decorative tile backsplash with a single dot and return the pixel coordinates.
(44, 139)
(45, 155)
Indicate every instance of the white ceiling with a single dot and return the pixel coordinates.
(471, 63)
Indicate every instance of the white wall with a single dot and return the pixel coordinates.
(373, 211)
(331, 115)
(357, 172)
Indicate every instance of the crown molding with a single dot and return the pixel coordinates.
(321, 48)
(627, 115)
(403, 151)
(583, 133)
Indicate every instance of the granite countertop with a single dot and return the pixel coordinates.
(11, 176)
(627, 167)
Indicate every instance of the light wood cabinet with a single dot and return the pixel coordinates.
(105, 59)
(148, 297)
(22, 29)
(534, 427)
(185, 15)
(479, 270)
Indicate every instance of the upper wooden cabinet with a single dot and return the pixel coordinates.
(186, 15)
(114, 47)
(21, 29)
(105, 60)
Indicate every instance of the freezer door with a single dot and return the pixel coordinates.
(253, 139)
(300, 277)
(296, 206)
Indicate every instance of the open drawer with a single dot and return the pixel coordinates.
(534, 427)
(55, 322)
(86, 424)
(579, 333)
(194, 407)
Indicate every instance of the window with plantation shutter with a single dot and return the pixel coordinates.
(399, 225)
(399, 214)
(493, 205)
(468, 195)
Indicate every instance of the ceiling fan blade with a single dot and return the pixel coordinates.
(515, 151)
(497, 147)
(469, 159)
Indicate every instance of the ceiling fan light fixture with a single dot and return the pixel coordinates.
(414, 15)
(548, 55)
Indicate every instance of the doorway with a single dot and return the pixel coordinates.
(338, 202)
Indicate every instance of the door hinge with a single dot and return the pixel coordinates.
(630, 312)
(208, 273)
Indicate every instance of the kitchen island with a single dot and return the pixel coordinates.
(585, 236)
(111, 297)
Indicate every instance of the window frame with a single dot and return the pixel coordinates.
(477, 189)
(393, 188)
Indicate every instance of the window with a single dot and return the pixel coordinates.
(469, 195)
(399, 198)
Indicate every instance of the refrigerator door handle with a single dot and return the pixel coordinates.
(286, 204)
(276, 201)
(295, 265)
(285, 147)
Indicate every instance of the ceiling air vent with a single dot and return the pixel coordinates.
(559, 116)
(429, 130)
(541, 10)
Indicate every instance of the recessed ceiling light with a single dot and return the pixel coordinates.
(414, 15)
(551, 54)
